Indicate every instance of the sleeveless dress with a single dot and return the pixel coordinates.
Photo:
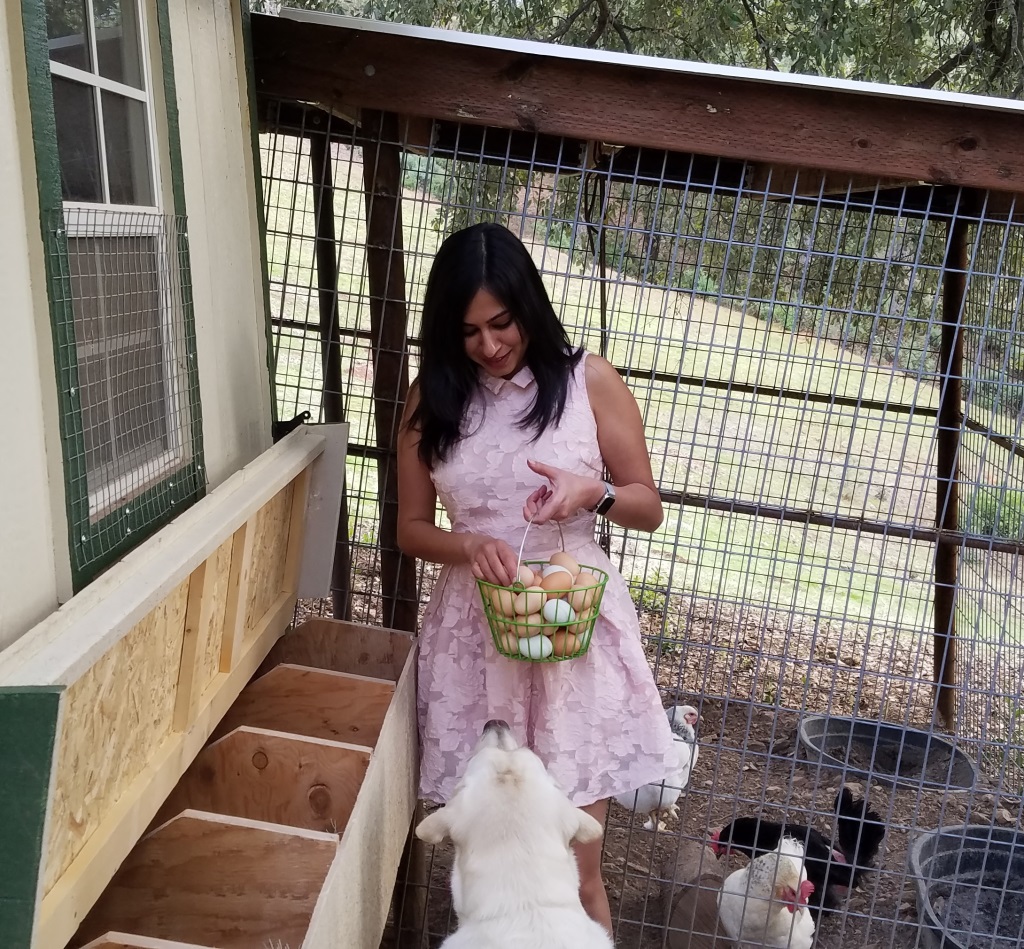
(597, 721)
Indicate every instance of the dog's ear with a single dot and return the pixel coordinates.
(435, 827)
(584, 828)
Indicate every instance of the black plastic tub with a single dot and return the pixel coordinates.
(889, 754)
(970, 887)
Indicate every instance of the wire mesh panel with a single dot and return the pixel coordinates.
(126, 356)
(785, 338)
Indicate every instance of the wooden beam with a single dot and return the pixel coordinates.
(385, 270)
(273, 776)
(337, 706)
(949, 427)
(216, 881)
(926, 138)
(238, 590)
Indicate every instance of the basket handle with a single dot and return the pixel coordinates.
(529, 524)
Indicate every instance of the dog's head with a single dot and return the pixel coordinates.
(505, 786)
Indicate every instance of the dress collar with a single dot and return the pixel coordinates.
(521, 380)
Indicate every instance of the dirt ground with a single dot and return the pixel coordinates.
(752, 673)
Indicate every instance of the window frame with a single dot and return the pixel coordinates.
(100, 538)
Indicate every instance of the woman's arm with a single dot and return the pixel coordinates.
(620, 436)
(418, 533)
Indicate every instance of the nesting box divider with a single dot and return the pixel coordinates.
(128, 941)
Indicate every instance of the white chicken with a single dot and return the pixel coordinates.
(658, 800)
(765, 903)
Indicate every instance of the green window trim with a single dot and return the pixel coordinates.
(94, 545)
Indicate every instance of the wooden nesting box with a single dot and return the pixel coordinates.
(177, 772)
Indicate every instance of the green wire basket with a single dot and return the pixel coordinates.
(543, 625)
(531, 636)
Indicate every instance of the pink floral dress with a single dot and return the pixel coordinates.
(597, 721)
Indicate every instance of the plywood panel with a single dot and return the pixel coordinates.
(269, 557)
(273, 776)
(129, 941)
(218, 570)
(216, 881)
(114, 716)
(313, 702)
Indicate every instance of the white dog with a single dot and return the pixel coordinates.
(515, 884)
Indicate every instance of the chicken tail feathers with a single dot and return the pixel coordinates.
(860, 830)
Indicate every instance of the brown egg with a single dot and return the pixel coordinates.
(529, 601)
(528, 625)
(526, 575)
(564, 643)
(509, 642)
(579, 628)
(562, 559)
(582, 595)
(503, 601)
(556, 584)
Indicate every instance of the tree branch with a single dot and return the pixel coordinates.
(769, 61)
(569, 21)
(954, 61)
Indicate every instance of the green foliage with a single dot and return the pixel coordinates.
(649, 592)
(997, 512)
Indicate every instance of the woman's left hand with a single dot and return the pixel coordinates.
(566, 495)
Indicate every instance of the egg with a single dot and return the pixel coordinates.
(558, 612)
(535, 647)
(509, 643)
(526, 575)
(579, 628)
(556, 584)
(503, 601)
(564, 643)
(529, 601)
(562, 559)
(555, 568)
(584, 591)
(527, 625)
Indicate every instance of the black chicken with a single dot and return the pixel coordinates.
(833, 866)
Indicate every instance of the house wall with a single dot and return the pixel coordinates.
(32, 522)
(228, 300)
(221, 198)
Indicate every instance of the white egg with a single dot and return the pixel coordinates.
(535, 647)
(558, 611)
(555, 568)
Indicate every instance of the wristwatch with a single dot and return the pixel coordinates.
(607, 500)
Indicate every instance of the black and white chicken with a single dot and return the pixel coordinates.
(659, 800)
(833, 866)
(765, 903)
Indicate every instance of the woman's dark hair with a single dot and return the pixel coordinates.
(484, 257)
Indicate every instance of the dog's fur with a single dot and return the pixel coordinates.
(515, 884)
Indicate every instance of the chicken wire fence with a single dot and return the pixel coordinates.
(784, 338)
(125, 353)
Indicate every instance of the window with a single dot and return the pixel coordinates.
(118, 270)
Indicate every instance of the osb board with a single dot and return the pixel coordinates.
(216, 881)
(113, 718)
(270, 529)
(218, 572)
(275, 777)
(343, 647)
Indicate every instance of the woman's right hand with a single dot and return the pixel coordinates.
(491, 559)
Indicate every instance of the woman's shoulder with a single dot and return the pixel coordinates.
(597, 370)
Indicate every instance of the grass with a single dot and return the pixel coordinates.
(721, 442)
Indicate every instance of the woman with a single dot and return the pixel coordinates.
(508, 423)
